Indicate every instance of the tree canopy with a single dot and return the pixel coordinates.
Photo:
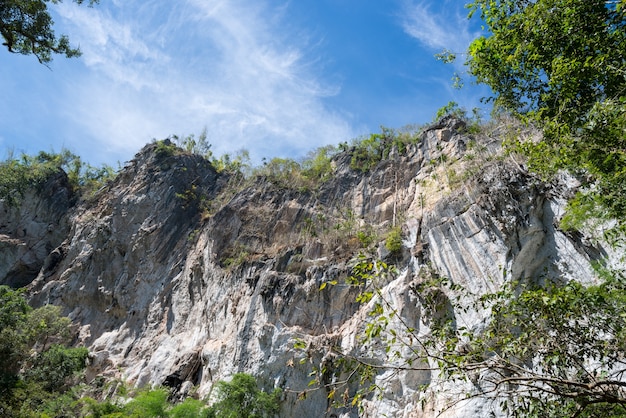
(37, 368)
(560, 64)
(26, 27)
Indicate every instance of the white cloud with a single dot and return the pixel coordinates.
(154, 68)
(443, 25)
(444, 28)
(110, 46)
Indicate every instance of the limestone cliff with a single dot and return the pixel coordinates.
(29, 232)
(173, 279)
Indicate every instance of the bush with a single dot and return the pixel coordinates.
(19, 175)
(368, 152)
(165, 148)
(95, 409)
(199, 146)
(147, 403)
(393, 242)
(190, 408)
(451, 109)
(152, 403)
(366, 237)
(317, 166)
(56, 365)
(238, 165)
(242, 398)
(283, 172)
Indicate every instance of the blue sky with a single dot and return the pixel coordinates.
(278, 78)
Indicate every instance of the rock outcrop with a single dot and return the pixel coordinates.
(173, 280)
(32, 231)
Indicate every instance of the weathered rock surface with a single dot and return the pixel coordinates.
(31, 231)
(168, 292)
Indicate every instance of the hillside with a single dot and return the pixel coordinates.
(175, 274)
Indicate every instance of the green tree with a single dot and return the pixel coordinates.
(54, 366)
(106, 409)
(367, 152)
(151, 403)
(283, 172)
(317, 166)
(393, 241)
(189, 408)
(546, 351)
(26, 27)
(560, 65)
(36, 366)
(242, 398)
(199, 146)
(450, 109)
(13, 315)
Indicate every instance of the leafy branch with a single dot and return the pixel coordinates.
(553, 347)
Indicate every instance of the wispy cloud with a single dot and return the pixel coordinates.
(155, 68)
(112, 47)
(443, 27)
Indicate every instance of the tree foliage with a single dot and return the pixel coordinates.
(560, 64)
(150, 403)
(556, 349)
(307, 175)
(367, 152)
(36, 366)
(145, 403)
(350, 377)
(548, 351)
(18, 175)
(189, 408)
(551, 350)
(317, 166)
(238, 398)
(242, 398)
(26, 27)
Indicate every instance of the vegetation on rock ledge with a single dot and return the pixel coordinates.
(18, 175)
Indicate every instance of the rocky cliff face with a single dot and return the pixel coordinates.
(174, 280)
(30, 231)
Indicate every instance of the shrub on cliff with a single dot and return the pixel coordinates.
(17, 175)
